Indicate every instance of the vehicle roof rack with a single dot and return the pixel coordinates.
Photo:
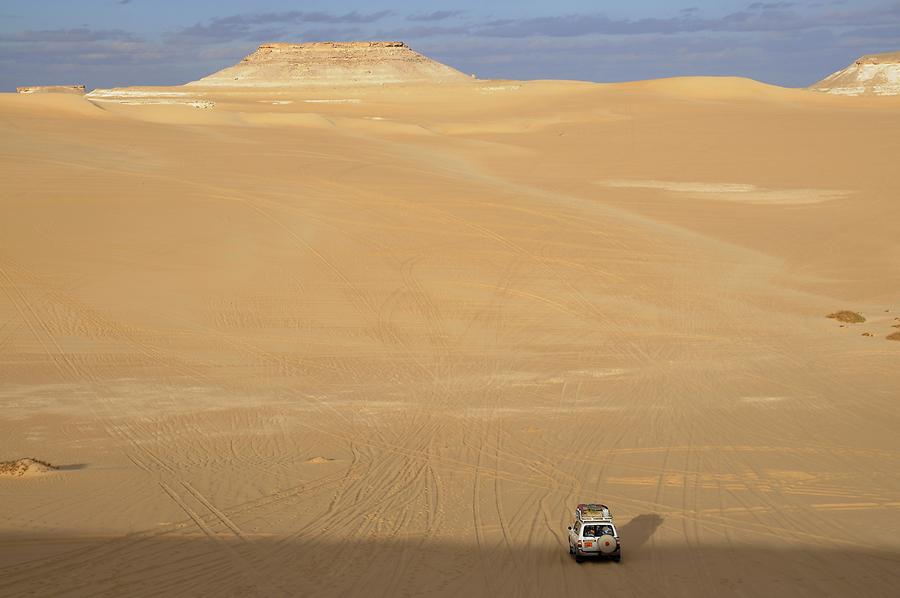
(593, 512)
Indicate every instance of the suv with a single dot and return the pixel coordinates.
(594, 534)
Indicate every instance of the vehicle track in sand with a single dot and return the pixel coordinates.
(442, 364)
(161, 464)
(140, 455)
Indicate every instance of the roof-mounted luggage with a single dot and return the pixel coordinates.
(592, 512)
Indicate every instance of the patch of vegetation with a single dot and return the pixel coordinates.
(848, 317)
(894, 337)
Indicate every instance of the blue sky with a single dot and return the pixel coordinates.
(128, 42)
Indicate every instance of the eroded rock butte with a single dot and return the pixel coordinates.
(332, 64)
(51, 89)
(874, 74)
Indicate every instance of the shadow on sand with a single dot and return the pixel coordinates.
(72, 467)
(640, 529)
(182, 561)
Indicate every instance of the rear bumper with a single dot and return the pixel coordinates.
(597, 553)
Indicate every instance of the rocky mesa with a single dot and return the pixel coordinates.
(874, 74)
(332, 64)
(77, 89)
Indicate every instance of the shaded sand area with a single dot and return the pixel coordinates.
(380, 341)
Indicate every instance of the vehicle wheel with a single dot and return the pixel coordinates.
(578, 558)
(617, 558)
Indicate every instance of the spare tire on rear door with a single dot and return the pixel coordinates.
(607, 544)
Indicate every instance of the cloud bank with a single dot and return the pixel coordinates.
(783, 42)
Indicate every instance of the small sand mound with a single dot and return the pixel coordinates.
(319, 460)
(24, 468)
(894, 337)
(850, 317)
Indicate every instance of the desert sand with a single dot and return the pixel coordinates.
(381, 340)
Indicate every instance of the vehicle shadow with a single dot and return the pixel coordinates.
(639, 530)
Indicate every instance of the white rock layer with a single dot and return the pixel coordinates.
(876, 74)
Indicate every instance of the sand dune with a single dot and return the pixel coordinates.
(383, 347)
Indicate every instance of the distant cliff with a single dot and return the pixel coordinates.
(332, 64)
(875, 74)
(51, 89)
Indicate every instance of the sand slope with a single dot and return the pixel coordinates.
(381, 341)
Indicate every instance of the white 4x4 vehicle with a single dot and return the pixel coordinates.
(594, 534)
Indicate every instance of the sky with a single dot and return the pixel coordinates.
(106, 43)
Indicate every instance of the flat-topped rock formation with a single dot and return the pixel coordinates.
(79, 89)
(875, 74)
(332, 64)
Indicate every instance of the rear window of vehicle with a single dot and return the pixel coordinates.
(595, 531)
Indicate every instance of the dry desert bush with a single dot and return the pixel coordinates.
(848, 317)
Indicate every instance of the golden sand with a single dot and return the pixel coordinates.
(485, 304)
